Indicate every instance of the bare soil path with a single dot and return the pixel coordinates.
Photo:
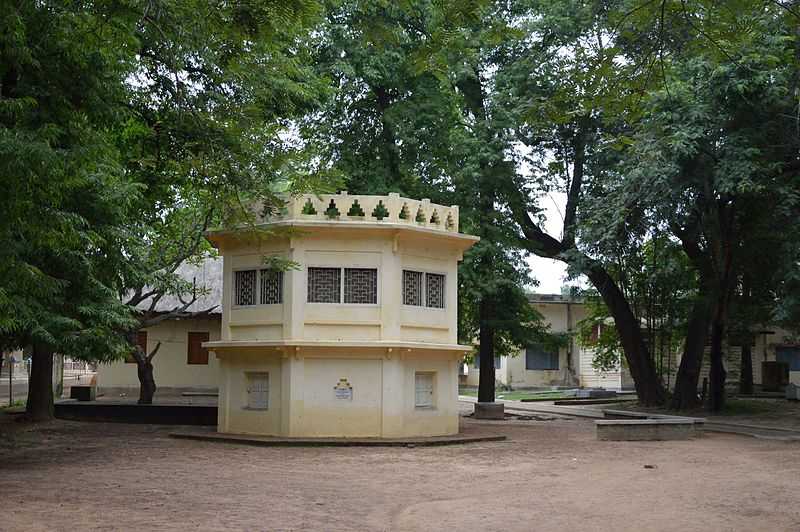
(549, 475)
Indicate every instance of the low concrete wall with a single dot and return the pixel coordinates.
(162, 392)
(132, 413)
(645, 429)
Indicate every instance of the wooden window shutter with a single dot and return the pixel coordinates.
(141, 341)
(196, 353)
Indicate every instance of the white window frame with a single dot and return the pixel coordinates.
(341, 284)
(258, 302)
(424, 289)
(249, 376)
(425, 405)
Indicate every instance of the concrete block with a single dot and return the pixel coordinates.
(489, 411)
(83, 393)
(595, 393)
(792, 392)
(646, 429)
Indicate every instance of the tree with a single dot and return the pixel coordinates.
(393, 126)
(133, 128)
(660, 285)
(221, 81)
(66, 197)
(704, 161)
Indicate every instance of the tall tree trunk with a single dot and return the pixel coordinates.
(685, 395)
(649, 387)
(40, 385)
(717, 373)
(486, 388)
(746, 367)
(147, 384)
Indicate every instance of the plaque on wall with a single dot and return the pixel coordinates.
(343, 390)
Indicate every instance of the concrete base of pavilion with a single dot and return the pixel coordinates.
(277, 441)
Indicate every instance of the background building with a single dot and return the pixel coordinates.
(182, 364)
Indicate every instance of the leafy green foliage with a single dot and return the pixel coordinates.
(355, 209)
(403, 215)
(332, 211)
(126, 130)
(308, 208)
(380, 211)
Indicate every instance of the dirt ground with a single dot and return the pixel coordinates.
(549, 475)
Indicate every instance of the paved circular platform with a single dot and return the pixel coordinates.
(272, 441)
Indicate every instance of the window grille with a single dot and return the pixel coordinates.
(324, 285)
(412, 288)
(423, 392)
(271, 287)
(361, 285)
(434, 290)
(258, 391)
(245, 287)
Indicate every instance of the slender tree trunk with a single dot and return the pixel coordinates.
(147, 384)
(486, 388)
(746, 367)
(40, 385)
(685, 395)
(717, 373)
(649, 387)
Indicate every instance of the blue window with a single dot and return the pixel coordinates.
(789, 355)
(539, 358)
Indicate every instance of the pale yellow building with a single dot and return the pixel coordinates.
(537, 366)
(360, 338)
(182, 364)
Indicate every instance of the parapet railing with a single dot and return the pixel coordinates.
(390, 209)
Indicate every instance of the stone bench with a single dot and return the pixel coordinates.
(647, 429)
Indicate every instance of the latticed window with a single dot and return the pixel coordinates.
(423, 389)
(324, 285)
(412, 288)
(434, 290)
(271, 287)
(245, 287)
(258, 391)
(361, 285)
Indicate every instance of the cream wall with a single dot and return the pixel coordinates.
(515, 373)
(377, 348)
(233, 414)
(170, 368)
(388, 320)
(562, 318)
(303, 401)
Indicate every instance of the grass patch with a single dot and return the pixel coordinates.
(518, 395)
(16, 404)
